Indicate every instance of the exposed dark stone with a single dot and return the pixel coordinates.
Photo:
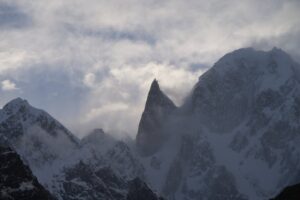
(16, 179)
(289, 193)
(138, 190)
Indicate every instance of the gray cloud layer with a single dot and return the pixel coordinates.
(90, 63)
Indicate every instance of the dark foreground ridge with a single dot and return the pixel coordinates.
(139, 190)
(289, 193)
(16, 179)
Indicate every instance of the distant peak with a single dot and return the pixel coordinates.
(94, 134)
(277, 51)
(97, 137)
(274, 49)
(97, 131)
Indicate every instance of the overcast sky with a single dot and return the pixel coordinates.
(90, 63)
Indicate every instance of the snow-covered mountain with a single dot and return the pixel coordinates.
(237, 134)
(234, 138)
(96, 167)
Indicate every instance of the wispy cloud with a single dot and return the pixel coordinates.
(8, 85)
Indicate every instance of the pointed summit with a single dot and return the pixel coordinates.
(157, 110)
(279, 50)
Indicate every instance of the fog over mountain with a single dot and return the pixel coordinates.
(235, 137)
(149, 99)
(95, 60)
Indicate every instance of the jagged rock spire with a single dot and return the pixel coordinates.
(158, 108)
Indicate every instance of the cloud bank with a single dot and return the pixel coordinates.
(90, 63)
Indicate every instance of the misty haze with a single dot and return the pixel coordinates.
(149, 100)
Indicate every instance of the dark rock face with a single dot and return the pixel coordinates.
(96, 137)
(139, 190)
(158, 108)
(16, 180)
(289, 193)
